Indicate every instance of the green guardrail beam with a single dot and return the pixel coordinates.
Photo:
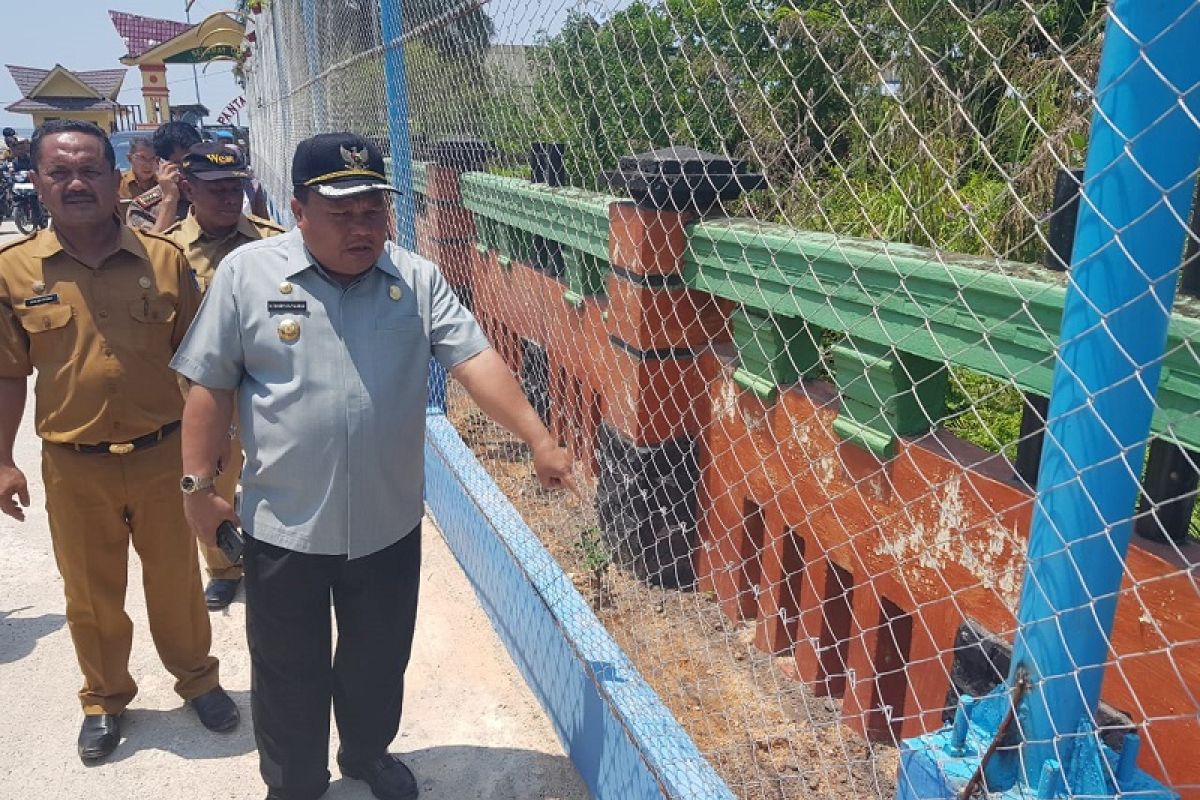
(915, 308)
(995, 317)
(574, 217)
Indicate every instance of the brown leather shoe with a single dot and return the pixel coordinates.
(98, 737)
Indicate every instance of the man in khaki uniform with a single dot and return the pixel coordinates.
(164, 205)
(98, 309)
(142, 175)
(213, 179)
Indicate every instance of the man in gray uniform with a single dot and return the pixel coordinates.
(322, 337)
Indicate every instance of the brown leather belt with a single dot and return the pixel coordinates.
(125, 448)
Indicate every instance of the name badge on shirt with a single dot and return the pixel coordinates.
(287, 306)
(41, 300)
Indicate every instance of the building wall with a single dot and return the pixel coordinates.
(105, 119)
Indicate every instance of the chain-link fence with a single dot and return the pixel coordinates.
(795, 280)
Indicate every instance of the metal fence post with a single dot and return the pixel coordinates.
(308, 8)
(1138, 181)
(1137, 188)
(400, 146)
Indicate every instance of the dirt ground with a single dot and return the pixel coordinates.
(765, 734)
(471, 728)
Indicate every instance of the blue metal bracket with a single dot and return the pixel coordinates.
(939, 766)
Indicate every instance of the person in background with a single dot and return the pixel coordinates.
(212, 183)
(97, 309)
(164, 205)
(255, 200)
(22, 160)
(142, 175)
(322, 339)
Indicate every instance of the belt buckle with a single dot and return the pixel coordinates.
(121, 448)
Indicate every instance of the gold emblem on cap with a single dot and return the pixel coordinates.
(394, 292)
(144, 282)
(354, 157)
(285, 288)
(39, 286)
(289, 330)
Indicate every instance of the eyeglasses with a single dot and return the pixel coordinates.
(144, 158)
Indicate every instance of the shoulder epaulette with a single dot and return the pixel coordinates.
(160, 237)
(10, 244)
(266, 223)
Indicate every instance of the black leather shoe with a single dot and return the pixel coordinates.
(387, 776)
(220, 593)
(216, 710)
(98, 737)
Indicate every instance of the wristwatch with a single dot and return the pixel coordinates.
(190, 484)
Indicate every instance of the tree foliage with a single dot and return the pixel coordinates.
(937, 122)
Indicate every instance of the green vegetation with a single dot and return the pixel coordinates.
(595, 560)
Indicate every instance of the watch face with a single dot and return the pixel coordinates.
(187, 483)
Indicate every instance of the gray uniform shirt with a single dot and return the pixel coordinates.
(333, 421)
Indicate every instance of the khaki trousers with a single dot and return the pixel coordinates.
(98, 504)
(218, 566)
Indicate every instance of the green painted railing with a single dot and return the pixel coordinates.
(902, 313)
(995, 317)
(420, 177)
(574, 217)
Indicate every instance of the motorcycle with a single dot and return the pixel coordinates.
(28, 212)
(6, 198)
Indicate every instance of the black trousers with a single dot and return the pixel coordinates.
(294, 675)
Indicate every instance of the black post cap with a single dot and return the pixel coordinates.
(682, 179)
(464, 153)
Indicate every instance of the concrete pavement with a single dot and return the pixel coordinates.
(471, 729)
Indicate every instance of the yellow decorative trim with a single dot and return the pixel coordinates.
(345, 173)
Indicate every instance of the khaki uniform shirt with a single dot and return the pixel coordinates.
(101, 339)
(143, 209)
(205, 252)
(130, 189)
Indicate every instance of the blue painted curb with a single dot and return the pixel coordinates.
(622, 739)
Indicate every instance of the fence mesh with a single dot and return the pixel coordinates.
(788, 277)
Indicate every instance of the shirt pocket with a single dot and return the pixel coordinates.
(153, 322)
(405, 324)
(51, 334)
(401, 353)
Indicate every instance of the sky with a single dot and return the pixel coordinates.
(79, 35)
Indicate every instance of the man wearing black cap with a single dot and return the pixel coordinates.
(214, 177)
(322, 338)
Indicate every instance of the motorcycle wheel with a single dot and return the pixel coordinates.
(24, 223)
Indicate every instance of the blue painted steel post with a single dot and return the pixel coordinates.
(391, 12)
(400, 145)
(280, 208)
(1137, 195)
(1138, 182)
(309, 10)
